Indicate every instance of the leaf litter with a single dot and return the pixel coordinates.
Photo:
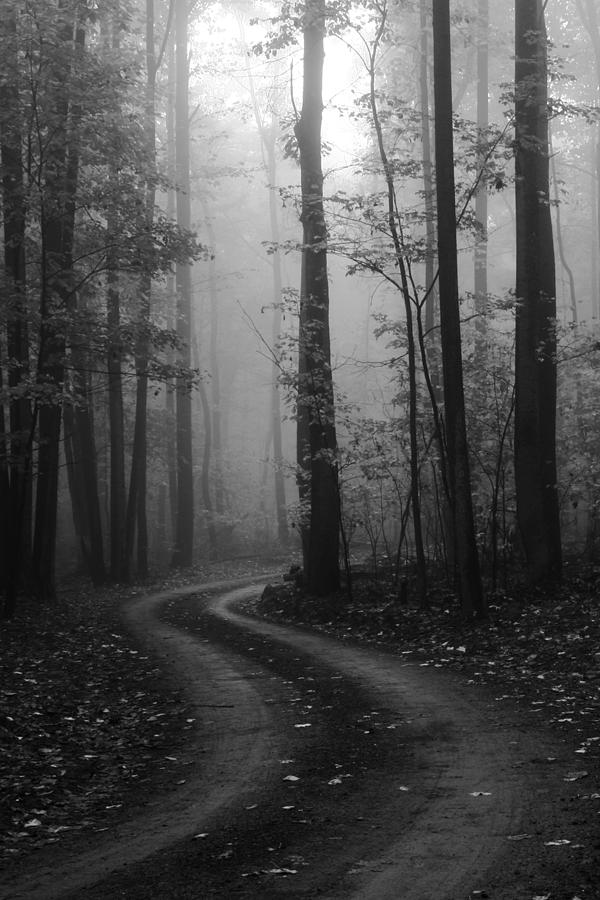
(85, 718)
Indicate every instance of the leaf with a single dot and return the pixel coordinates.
(560, 842)
(303, 725)
(575, 776)
(291, 778)
(280, 871)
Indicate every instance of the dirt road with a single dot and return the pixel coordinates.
(323, 769)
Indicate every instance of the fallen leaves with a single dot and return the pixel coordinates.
(83, 717)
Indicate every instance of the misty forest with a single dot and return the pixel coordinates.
(318, 279)
(299, 405)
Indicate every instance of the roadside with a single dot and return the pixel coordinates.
(434, 747)
(88, 719)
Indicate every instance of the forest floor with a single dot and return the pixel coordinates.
(93, 721)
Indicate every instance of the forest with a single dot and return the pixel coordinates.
(312, 279)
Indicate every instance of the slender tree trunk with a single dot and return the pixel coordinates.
(428, 185)
(394, 224)
(215, 374)
(481, 197)
(535, 339)
(467, 560)
(136, 520)
(268, 137)
(170, 415)
(560, 242)
(279, 483)
(184, 537)
(316, 383)
(119, 560)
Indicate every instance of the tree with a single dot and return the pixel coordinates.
(481, 205)
(17, 461)
(315, 385)
(395, 228)
(535, 337)
(466, 555)
(184, 536)
(57, 223)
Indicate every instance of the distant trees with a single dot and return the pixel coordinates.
(445, 471)
(80, 229)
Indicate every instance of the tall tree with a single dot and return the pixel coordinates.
(481, 197)
(535, 347)
(395, 227)
(465, 546)
(184, 536)
(58, 205)
(315, 387)
(17, 502)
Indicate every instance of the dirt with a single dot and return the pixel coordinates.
(323, 768)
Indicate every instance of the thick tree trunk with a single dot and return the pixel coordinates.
(184, 537)
(57, 295)
(315, 383)
(467, 560)
(18, 443)
(535, 343)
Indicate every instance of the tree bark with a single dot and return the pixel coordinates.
(467, 560)
(315, 386)
(18, 442)
(535, 337)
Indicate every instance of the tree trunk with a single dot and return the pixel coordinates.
(57, 296)
(17, 459)
(467, 561)
(80, 452)
(395, 227)
(136, 519)
(535, 337)
(184, 537)
(481, 197)
(119, 560)
(316, 384)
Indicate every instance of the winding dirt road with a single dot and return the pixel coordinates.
(320, 769)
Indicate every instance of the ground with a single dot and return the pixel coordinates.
(406, 738)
